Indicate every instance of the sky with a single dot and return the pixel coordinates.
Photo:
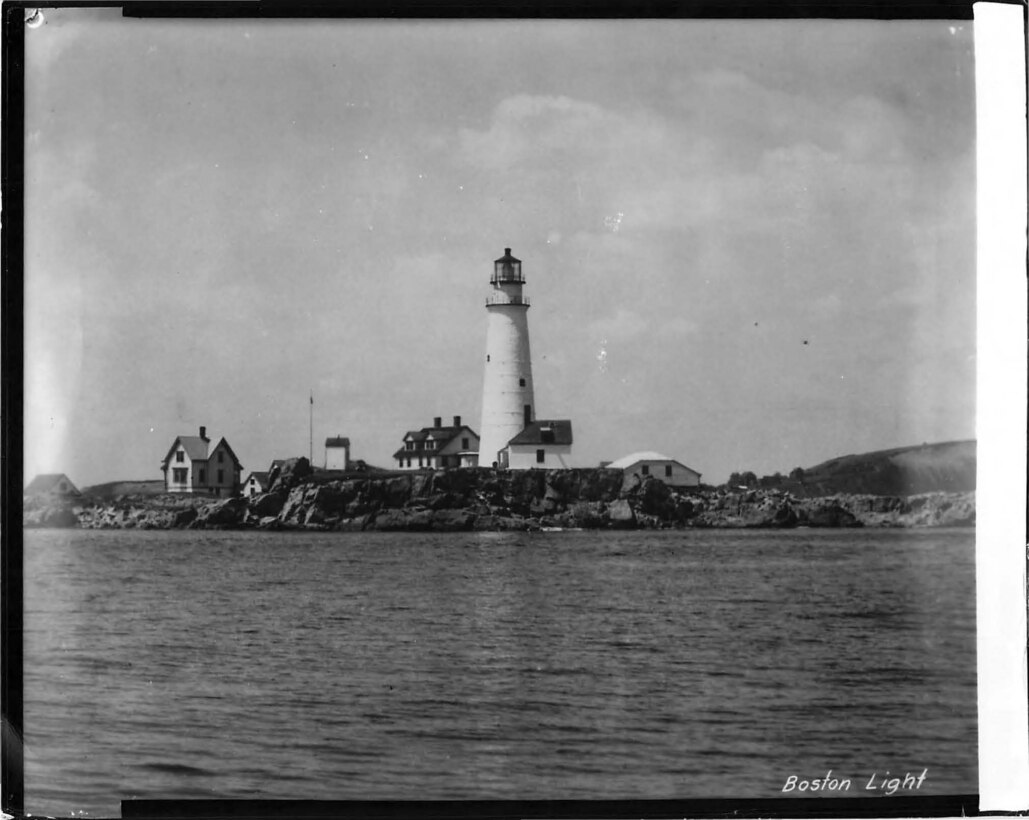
(748, 244)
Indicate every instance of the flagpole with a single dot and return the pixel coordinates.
(310, 443)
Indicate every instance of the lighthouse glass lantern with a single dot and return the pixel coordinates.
(507, 270)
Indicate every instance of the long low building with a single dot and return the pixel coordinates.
(636, 466)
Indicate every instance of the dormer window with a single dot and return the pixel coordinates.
(547, 435)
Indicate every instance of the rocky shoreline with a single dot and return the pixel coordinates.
(484, 499)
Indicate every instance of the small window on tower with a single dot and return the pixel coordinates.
(487, 357)
(521, 382)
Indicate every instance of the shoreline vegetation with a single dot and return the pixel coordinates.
(489, 500)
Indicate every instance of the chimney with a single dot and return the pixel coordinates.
(203, 432)
(457, 421)
(437, 421)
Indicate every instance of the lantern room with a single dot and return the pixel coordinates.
(507, 270)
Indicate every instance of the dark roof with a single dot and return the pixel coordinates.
(533, 433)
(339, 441)
(227, 447)
(260, 475)
(195, 447)
(507, 257)
(444, 435)
(45, 482)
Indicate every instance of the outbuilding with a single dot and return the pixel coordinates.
(52, 485)
(543, 444)
(256, 483)
(637, 466)
(337, 453)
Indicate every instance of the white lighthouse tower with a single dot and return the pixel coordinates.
(507, 398)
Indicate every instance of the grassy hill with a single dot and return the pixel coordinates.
(947, 466)
(112, 489)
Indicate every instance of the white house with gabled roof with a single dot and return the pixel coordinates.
(637, 466)
(192, 466)
(439, 447)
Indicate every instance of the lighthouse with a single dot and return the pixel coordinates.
(508, 406)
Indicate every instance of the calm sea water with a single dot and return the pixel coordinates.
(547, 665)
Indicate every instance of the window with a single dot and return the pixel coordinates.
(409, 462)
(487, 357)
(645, 469)
(203, 476)
(521, 382)
(465, 443)
(179, 475)
(430, 445)
(410, 445)
(221, 458)
(180, 456)
(419, 461)
(541, 456)
(221, 476)
(668, 471)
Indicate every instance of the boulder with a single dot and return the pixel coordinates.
(826, 513)
(227, 514)
(403, 520)
(267, 504)
(290, 473)
(620, 514)
(452, 520)
(588, 514)
(655, 498)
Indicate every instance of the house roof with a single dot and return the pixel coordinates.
(45, 482)
(644, 455)
(195, 447)
(443, 435)
(339, 441)
(533, 433)
(229, 449)
(260, 475)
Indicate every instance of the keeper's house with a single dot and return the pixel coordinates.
(192, 466)
(637, 466)
(439, 447)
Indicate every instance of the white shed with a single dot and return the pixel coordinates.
(648, 463)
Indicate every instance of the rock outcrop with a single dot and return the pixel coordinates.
(485, 499)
